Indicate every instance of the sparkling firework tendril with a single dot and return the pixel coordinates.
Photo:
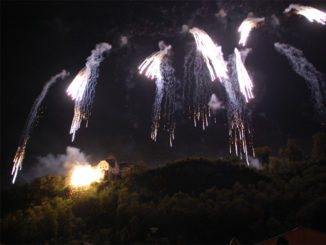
(30, 123)
(246, 26)
(212, 54)
(237, 111)
(312, 14)
(157, 67)
(82, 88)
(244, 80)
(197, 89)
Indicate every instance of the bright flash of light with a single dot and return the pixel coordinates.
(212, 54)
(157, 67)
(246, 26)
(30, 124)
(312, 14)
(84, 175)
(77, 87)
(82, 88)
(244, 80)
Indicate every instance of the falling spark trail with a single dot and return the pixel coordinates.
(246, 26)
(244, 80)
(197, 88)
(314, 79)
(312, 14)
(157, 67)
(30, 123)
(82, 88)
(212, 54)
(237, 111)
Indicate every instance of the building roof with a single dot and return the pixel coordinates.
(298, 235)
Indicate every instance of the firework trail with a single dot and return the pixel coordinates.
(246, 26)
(312, 14)
(237, 111)
(212, 54)
(197, 88)
(30, 123)
(314, 79)
(244, 80)
(202, 64)
(82, 88)
(157, 67)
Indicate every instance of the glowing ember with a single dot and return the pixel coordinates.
(85, 175)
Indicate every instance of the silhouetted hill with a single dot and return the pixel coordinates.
(187, 201)
(194, 175)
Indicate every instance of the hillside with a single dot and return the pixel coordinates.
(187, 201)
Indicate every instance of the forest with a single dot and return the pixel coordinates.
(191, 200)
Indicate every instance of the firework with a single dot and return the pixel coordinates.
(197, 88)
(246, 26)
(82, 88)
(237, 111)
(212, 54)
(314, 79)
(312, 14)
(157, 67)
(202, 64)
(244, 80)
(30, 123)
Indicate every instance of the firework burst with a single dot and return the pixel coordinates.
(30, 124)
(245, 28)
(312, 14)
(82, 88)
(157, 67)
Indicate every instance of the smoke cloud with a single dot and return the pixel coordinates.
(60, 164)
(254, 162)
(123, 41)
(314, 79)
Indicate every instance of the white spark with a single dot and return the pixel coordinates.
(151, 65)
(212, 54)
(312, 14)
(244, 80)
(246, 26)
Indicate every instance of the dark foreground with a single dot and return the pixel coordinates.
(187, 201)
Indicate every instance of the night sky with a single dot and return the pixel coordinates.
(39, 39)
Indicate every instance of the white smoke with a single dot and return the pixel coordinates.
(215, 104)
(60, 164)
(123, 41)
(163, 46)
(221, 14)
(255, 163)
(275, 20)
(184, 28)
(314, 79)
